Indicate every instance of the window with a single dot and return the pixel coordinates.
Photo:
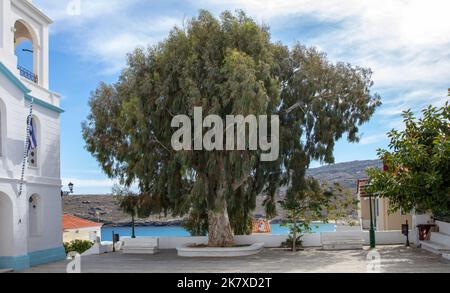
(26, 50)
(32, 158)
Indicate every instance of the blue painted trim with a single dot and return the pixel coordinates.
(16, 263)
(43, 104)
(46, 256)
(26, 92)
(23, 262)
(11, 77)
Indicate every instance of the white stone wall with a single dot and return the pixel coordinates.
(273, 241)
(43, 181)
(90, 234)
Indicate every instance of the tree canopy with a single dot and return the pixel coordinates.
(227, 66)
(417, 166)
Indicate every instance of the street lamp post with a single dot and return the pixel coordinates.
(65, 193)
(70, 187)
(133, 234)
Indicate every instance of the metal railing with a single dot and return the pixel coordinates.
(28, 74)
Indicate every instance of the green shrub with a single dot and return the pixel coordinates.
(288, 243)
(79, 246)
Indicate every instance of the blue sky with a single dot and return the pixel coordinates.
(405, 42)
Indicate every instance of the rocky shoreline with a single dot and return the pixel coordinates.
(172, 223)
(169, 223)
(104, 209)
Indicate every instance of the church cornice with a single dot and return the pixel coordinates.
(35, 11)
(26, 91)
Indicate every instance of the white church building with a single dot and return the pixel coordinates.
(30, 221)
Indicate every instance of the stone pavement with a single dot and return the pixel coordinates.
(392, 259)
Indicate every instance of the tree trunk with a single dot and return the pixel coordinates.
(294, 235)
(294, 241)
(220, 233)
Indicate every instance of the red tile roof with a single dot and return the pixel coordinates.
(72, 222)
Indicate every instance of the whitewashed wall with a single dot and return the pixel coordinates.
(44, 180)
(443, 227)
(273, 241)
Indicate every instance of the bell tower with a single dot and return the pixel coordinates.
(24, 40)
(30, 187)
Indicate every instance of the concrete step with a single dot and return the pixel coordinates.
(440, 238)
(434, 247)
(443, 227)
(4, 271)
(446, 256)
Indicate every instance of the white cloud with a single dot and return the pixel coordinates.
(88, 10)
(92, 186)
(404, 42)
(373, 139)
(419, 98)
(106, 30)
(87, 183)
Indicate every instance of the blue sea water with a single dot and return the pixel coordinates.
(181, 232)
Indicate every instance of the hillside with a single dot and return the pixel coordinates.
(346, 173)
(105, 209)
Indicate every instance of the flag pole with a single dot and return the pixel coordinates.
(27, 145)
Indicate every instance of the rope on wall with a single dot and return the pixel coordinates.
(27, 145)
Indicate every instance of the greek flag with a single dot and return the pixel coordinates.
(32, 144)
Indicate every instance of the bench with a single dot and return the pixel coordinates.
(342, 240)
(141, 245)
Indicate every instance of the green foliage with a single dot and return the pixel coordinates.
(417, 167)
(76, 245)
(128, 201)
(289, 243)
(342, 206)
(227, 66)
(305, 206)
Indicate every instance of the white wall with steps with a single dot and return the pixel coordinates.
(443, 227)
(439, 242)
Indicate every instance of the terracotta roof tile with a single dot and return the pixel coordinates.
(72, 222)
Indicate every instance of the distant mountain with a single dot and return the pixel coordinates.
(346, 173)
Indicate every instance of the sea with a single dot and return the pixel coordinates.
(178, 231)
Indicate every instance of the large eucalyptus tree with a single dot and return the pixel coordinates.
(227, 66)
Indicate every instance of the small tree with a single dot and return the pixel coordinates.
(304, 207)
(343, 206)
(129, 203)
(417, 167)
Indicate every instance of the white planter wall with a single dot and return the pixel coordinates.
(273, 241)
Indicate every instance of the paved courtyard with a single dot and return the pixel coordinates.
(392, 259)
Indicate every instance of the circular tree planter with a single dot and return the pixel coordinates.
(188, 250)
